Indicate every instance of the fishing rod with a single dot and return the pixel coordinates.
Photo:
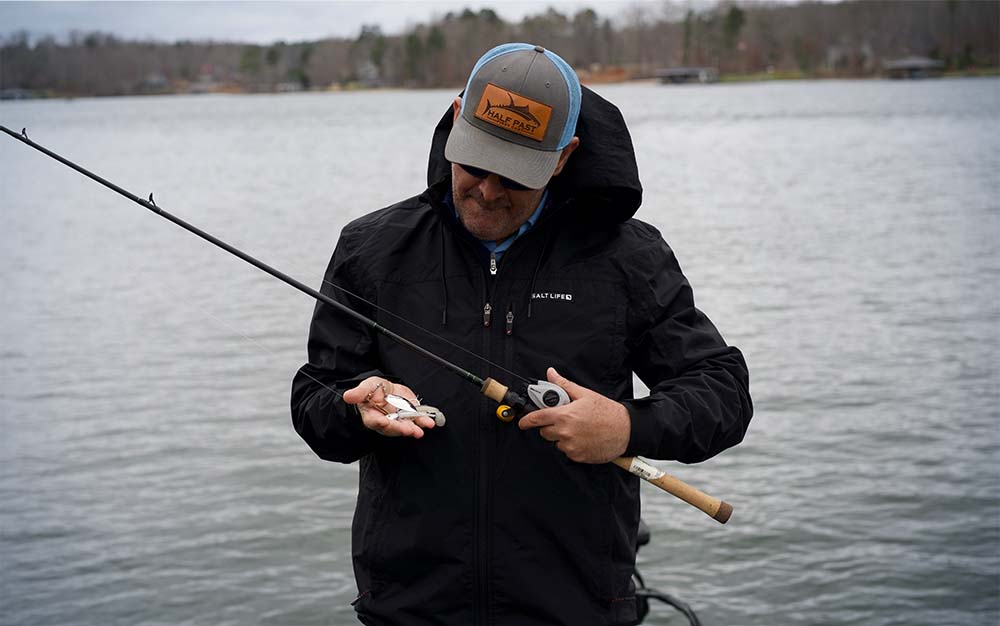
(510, 404)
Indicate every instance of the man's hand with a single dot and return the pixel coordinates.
(369, 397)
(590, 429)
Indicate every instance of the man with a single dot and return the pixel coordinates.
(520, 257)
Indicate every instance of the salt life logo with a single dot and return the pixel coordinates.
(545, 295)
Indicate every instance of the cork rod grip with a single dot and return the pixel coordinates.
(713, 507)
(494, 390)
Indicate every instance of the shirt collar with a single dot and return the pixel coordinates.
(501, 247)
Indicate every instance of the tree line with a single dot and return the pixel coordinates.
(810, 39)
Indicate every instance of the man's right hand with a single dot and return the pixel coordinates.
(369, 397)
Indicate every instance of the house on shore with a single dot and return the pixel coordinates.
(678, 75)
(16, 93)
(912, 67)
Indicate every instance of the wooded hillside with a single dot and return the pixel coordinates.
(809, 40)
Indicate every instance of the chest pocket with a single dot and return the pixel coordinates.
(577, 325)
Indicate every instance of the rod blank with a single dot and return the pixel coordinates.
(285, 278)
(713, 507)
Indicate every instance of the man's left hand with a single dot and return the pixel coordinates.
(590, 429)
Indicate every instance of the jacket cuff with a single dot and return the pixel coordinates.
(352, 418)
(642, 435)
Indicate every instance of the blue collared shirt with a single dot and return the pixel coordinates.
(497, 249)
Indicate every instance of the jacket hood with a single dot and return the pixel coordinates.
(601, 176)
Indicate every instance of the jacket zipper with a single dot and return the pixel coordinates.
(485, 479)
(488, 308)
(483, 446)
(486, 452)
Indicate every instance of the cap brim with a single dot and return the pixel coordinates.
(468, 145)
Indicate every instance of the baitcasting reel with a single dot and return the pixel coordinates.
(542, 395)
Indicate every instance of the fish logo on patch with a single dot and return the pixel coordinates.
(523, 111)
(512, 111)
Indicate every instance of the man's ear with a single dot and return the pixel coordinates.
(456, 107)
(573, 144)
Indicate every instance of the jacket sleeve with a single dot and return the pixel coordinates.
(699, 398)
(342, 353)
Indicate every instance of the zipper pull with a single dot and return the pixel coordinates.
(510, 321)
(487, 314)
(493, 265)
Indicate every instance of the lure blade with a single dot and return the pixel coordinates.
(406, 411)
(398, 402)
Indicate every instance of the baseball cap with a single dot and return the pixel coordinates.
(519, 111)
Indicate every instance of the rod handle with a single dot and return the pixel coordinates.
(494, 390)
(717, 509)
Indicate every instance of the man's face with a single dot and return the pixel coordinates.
(487, 209)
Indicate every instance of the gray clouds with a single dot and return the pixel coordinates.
(259, 22)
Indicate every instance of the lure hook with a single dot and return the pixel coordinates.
(24, 132)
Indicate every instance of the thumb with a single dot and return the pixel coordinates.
(574, 390)
(355, 395)
(358, 394)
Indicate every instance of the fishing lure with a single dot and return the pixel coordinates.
(406, 411)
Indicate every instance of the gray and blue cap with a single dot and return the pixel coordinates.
(519, 111)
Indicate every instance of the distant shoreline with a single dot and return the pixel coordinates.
(15, 95)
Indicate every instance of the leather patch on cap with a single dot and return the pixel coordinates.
(511, 111)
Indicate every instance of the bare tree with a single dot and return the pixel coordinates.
(811, 38)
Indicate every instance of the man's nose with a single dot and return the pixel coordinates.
(491, 188)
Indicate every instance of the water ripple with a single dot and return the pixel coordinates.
(842, 233)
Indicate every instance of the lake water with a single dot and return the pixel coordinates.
(844, 234)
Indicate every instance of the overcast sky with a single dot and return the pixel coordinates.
(263, 22)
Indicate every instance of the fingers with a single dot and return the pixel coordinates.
(424, 422)
(405, 392)
(381, 424)
(394, 428)
(544, 417)
(369, 397)
(539, 418)
(367, 390)
(592, 428)
(550, 433)
(565, 442)
(572, 389)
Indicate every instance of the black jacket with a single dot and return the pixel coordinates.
(480, 522)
